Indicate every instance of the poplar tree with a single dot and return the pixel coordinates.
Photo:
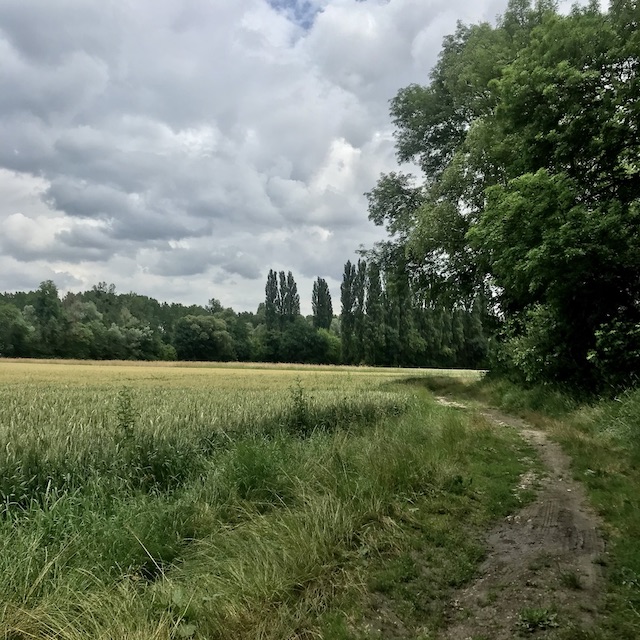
(347, 319)
(359, 293)
(321, 304)
(291, 305)
(374, 323)
(271, 303)
(283, 295)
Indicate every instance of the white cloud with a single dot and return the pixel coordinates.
(181, 149)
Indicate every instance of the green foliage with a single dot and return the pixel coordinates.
(321, 304)
(287, 336)
(393, 202)
(300, 421)
(359, 321)
(331, 347)
(48, 315)
(300, 342)
(617, 352)
(396, 326)
(526, 136)
(348, 302)
(287, 303)
(203, 338)
(374, 322)
(531, 620)
(15, 333)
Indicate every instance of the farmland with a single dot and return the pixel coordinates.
(209, 501)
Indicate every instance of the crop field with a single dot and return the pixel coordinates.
(200, 501)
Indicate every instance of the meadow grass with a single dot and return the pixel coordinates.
(220, 502)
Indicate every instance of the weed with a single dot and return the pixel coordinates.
(531, 620)
(127, 414)
(570, 580)
(300, 422)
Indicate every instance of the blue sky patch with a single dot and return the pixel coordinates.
(301, 12)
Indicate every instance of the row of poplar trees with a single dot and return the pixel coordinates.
(385, 320)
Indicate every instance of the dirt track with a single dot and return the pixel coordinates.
(541, 573)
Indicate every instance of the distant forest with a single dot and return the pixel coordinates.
(382, 323)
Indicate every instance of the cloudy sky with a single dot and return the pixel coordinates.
(182, 148)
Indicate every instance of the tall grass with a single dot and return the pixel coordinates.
(159, 510)
(58, 440)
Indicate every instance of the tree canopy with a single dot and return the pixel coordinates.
(527, 138)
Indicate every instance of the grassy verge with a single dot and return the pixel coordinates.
(344, 512)
(603, 441)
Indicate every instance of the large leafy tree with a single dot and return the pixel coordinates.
(527, 135)
(14, 332)
(50, 320)
(203, 338)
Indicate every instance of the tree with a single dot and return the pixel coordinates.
(291, 299)
(330, 347)
(391, 329)
(214, 306)
(14, 332)
(300, 342)
(566, 271)
(347, 318)
(359, 295)
(49, 319)
(476, 345)
(203, 338)
(85, 334)
(272, 306)
(139, 339)
(374, 323)
(283, 301)
(528, 139)
(458, 337)
(321, 304)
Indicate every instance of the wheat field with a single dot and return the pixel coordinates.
(203, 501)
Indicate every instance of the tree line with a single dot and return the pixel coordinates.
(376, 326)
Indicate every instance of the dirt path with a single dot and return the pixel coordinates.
(541, 573)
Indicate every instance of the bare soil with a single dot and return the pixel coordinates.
(542, 573)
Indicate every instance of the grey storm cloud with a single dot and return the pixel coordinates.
(15, 276)
(166, 146)
(182, 261)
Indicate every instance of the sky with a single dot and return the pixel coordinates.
(182, 148)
